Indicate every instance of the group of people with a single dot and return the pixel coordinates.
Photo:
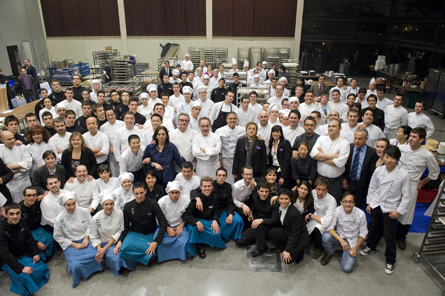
(115, 182)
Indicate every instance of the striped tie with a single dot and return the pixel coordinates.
(354, 174)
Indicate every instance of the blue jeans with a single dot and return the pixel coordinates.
(347, 261)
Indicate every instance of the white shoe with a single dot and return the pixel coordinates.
(366, 251)
(389, 268)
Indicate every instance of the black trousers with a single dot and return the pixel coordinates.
(29, 95)
(280, 240)
(315, 238)
(380, 224)
(335, 187)
(402, 231)
(247, 223)
(355, 188)
(256, 236)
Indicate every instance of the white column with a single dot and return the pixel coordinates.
(209, 23)
(123, 26)
(298, 26)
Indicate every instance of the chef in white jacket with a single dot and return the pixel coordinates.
(319, 221)
(229, 135)
(206, 147)
(18, 159)
(72, 231)
(206, 103)
(308, 106)
(415, 159)
(50, 206)
(110, 128)
(187, 65)
(395, 117)
(124, 193)
(106, 229)
(182, 137)
(61, 139)
(418, 119)
(97, 141)
(187, 179)
(87, 192)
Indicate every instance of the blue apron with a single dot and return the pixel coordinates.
(135, 245)
(45, 237)
(173, 247)
(230, 231)
(207, 236)
(115, 262)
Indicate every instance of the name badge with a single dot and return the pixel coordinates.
(149, 214)
(210, 207)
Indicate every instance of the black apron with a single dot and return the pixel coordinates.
(220, 121)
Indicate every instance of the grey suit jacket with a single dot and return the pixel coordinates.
(315, 89)
(31, 82)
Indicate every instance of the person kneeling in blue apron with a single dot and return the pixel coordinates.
(19, 250)
(72, 231)
(203, 223)
(106, 229)
(32, 215)
(176, 237)
(137, 242)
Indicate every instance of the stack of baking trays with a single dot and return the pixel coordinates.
(133, 87)
(271, 56)
(243, 54)
(121, 70)
(255, 56)
(222, 54)
(284, 53)
(291, 67)
(208, 55)
(195, 55)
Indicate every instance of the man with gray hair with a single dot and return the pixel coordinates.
(182, 137)
(359, 167)
(206, 147)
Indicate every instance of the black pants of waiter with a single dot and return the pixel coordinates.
(247, 223)
(29, 95)
(315, 238)
(280, 240)
(380, 224)
(402, 231)
(256, 236)
(335, 187)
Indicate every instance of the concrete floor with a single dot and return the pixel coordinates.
(224, 272)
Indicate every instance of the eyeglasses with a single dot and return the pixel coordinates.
(309, 124)
(350, 202)
(183, 120)
(30, 195)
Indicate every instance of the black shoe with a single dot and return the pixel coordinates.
(256, 253)
(201, 253)
(299, 258)
(402, 244)
(274, 250)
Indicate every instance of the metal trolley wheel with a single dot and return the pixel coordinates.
(416, 258)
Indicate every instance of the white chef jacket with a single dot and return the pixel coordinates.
(395, 117)
(221, 106)
(149, 128)
(194, 123)
(112, 184)
(209, 92)
(347, 132)
(17, 155)
(174, 101)
(264, 133)
(183, 141)
(184, 107)
(383, 103)
(105, 227)
(111, 130)
(122, 196)
(61, 143)
(291, 135)
(229, 138)
(276, 101)
(396, 142)
(351, 226)
(87, 193)
(151, 103)
(131, 162)
(323, 129)
(342, 93)
(69, 228)
(206, 108)
(50, 208)
(93, 97)
(272, 92)
(328, 146)
(351, 90)
(306, 110)
(169, 114)
(241, 192)
(277, 122)
(74, 105)
(374, 133)
(325, 209)
(187, 65)
(188, 185)
(369, 92)
(145, 111)
(421, 120)
(340, 107)
(121, 140)
(389, 191)
(214, 81)
(99, 140)
(208, 161)
(36, 151)
(244, 117)
(257, 108)
(173, 211)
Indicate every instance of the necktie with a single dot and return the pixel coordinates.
(25, 78)
(320, 87)
(353, 175)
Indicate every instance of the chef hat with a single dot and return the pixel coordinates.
(61, 105)
(264, 63)
(187, 89)
(274, 107)
(271, 72)
(175, 72)
(151, 87)
(281, 79)
(256, 75)
(201, 88)
(199, 68)
(173, 185)
(294, 99)
(285, 112)
(96, 81)
(196, 104)
(372, 80)
(65, 196)
(246, 63)
(187, 55)
(233, 61)
(205, 76)
(106, 196)
(144, 95)
(126, 176)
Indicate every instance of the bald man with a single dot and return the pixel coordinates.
(324, 128)
(97, 141)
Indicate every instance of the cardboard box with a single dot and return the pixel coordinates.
(108, 47)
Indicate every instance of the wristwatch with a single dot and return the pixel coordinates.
(310, 215)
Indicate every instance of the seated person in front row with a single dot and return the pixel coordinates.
(241, 192)
(264, 215)
(87, 191)
(173, 205)
(31, 213)
(106, 229)
(19, 251)
(124, 193)
(72, 231)
(291, 237)
(348, 229)
(203, 224)
(138, 242)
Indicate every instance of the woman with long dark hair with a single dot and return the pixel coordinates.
(279, 156)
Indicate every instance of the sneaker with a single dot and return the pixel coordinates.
(389, 268)
(316, 253)
(366, 251)
(402, 244)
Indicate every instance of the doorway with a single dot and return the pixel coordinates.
(14, 59)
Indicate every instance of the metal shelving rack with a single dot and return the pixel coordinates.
(432, 250)
(291, 67)
(195, 56)
(243, 54)
(121, 69)
(255, 56)
(222, 54)
(100, 57)
(272, 56)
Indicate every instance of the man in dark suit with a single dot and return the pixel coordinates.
(320, 88)
(27, 84)
(166, 70)
(359, 167)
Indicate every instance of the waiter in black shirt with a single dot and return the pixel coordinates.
(165, 86)
(235, 84)
(77, 88)
(379, 115)
(218, 94)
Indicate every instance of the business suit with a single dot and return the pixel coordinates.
(30, 94)
(315, 89)
(284, 153)
(360, 188)
(164, 72)
(292, 236)
(6, 174)
(42, 173)
(259, 157)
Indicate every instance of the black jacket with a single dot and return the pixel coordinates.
(379, 117)
(218, 94)
(304, 169)
(210, 208)
(120, 110)
(262, 209)
(157, 193)
(42, 173)
(87, 158)
(78, 93)
(6, 174)
(56, 98)
(283, 155)
(32, 215)
(234, 87)
(259, 156)
(225, 199)
(168, 88)
(164, 72)
(76, 128)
